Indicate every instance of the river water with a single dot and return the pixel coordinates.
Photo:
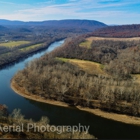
(99, 127)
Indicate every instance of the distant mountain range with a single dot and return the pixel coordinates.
(2, 28)
(84, 24)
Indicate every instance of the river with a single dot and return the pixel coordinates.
(99, 127)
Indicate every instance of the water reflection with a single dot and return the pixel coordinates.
(100, 127)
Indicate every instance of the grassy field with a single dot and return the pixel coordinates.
(136, 77)
(114, 39)
(86, 44)
(88, 66)
(14, 43)
(63, 59)
(88, 41)
(31, 47)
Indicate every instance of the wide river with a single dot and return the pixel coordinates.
(99, 127)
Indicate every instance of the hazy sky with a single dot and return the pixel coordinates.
(107, 11)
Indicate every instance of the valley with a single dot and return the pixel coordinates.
(69, 69)
(90, 74)
(86, 83)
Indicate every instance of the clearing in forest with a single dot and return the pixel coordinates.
(88, 66)
(111, 38)
(88, 41)
(86, 44)
(14, 43)
(31, 47)
(136, 78)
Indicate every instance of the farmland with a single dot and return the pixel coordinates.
(88, 41)
(31, 47)
(88, 66)
(14, 43)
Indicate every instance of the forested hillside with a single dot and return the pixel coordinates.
(119, 31)
(87, 25)
(115, 87)
(20, 42)
(19, 39)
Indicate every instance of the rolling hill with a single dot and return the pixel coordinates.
(84, 24)
(119, 31)
(2, 28)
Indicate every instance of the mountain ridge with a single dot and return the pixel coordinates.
(73, 23)
(2, 28)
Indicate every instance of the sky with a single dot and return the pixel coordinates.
(111, 12)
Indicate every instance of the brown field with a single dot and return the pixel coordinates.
(87, 43)
(14, 43)
(111, 38)
(136, 78)
(31, 47)
(88, 66)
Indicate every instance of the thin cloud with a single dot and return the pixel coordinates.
(9, 3)
(109, 1)
(82, 9)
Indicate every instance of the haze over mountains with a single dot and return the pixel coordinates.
(84, 24)
(2, 28)
(73, 25)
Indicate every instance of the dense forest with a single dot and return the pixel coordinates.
(119, 31)
(102, 51)
(117, 90)
(43, 37)
(41, 33)
(19, 40)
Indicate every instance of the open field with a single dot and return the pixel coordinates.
(14, 43)
(87, 43)
(114, 39)
(136, 77)
(88, 66)
(31, 47)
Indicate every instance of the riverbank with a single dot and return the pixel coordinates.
(113, 116)
(27, 54)
(27, 95)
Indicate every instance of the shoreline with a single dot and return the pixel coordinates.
(7, 64)
(108, 115)
(34, 97)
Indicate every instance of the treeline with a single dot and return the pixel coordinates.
(102, 51)
(38, 33)
(126, 63)
(118, 31)
(116, 91)
(35, 35)
(10, 55)
(121, 58)
(49, 78)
